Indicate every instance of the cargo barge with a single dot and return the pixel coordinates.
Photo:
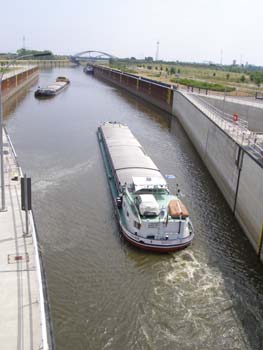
(150, 217)
(53, 89)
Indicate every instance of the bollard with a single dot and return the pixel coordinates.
(26, 198)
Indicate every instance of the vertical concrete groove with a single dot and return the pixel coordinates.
(260, 241)
(239, 164)
(207, 137)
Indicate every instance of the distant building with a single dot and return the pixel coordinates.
(234, 62)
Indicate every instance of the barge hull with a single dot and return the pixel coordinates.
(153, 248)
(158, 246)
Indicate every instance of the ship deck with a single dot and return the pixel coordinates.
(163, 201)
(22, 321)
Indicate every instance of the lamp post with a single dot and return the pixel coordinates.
(224, 103)
(4, 69)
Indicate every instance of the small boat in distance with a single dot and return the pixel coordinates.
(88, 70)
(53, 89)
(149, 216)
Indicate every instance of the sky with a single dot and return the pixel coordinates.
(187, 30)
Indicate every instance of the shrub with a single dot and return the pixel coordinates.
(203, 85)
(256, 77)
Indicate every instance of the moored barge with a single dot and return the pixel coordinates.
(53, 89)
(149, 216)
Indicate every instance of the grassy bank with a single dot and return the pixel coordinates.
(202, 85)
(213, 78)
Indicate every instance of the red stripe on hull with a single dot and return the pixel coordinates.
(161, 249)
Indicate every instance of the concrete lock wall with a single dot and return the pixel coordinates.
(217, 149)
(249, 205)
(160, 95)
(237, 174)
(18, 80)
(247, 111)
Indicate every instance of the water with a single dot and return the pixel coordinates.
(106, 294)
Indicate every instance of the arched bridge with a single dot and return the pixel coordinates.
(91, 55)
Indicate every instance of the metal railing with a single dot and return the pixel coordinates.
(238, 130)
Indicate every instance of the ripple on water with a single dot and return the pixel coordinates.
(54, 177)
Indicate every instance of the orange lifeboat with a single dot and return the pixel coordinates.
(177, 209)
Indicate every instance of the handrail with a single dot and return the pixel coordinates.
(133, 206)
(237, 130)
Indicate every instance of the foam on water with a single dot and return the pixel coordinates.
(195, 292)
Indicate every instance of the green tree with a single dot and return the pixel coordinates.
(228, 76)
(256, 77)
(22, 52)
(149, 59)
(242, 79)
(172, 70)
(258, 81)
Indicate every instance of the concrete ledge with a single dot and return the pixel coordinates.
(22, 304)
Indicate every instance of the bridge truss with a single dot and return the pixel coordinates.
(91, 56)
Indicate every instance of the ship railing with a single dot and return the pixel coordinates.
(132, 205)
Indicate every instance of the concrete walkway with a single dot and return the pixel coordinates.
(247, 101)
(238, 131)
(22, 321)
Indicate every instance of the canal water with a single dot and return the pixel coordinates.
(106, 294)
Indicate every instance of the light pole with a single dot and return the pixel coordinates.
(3, 70)
(224, 103)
